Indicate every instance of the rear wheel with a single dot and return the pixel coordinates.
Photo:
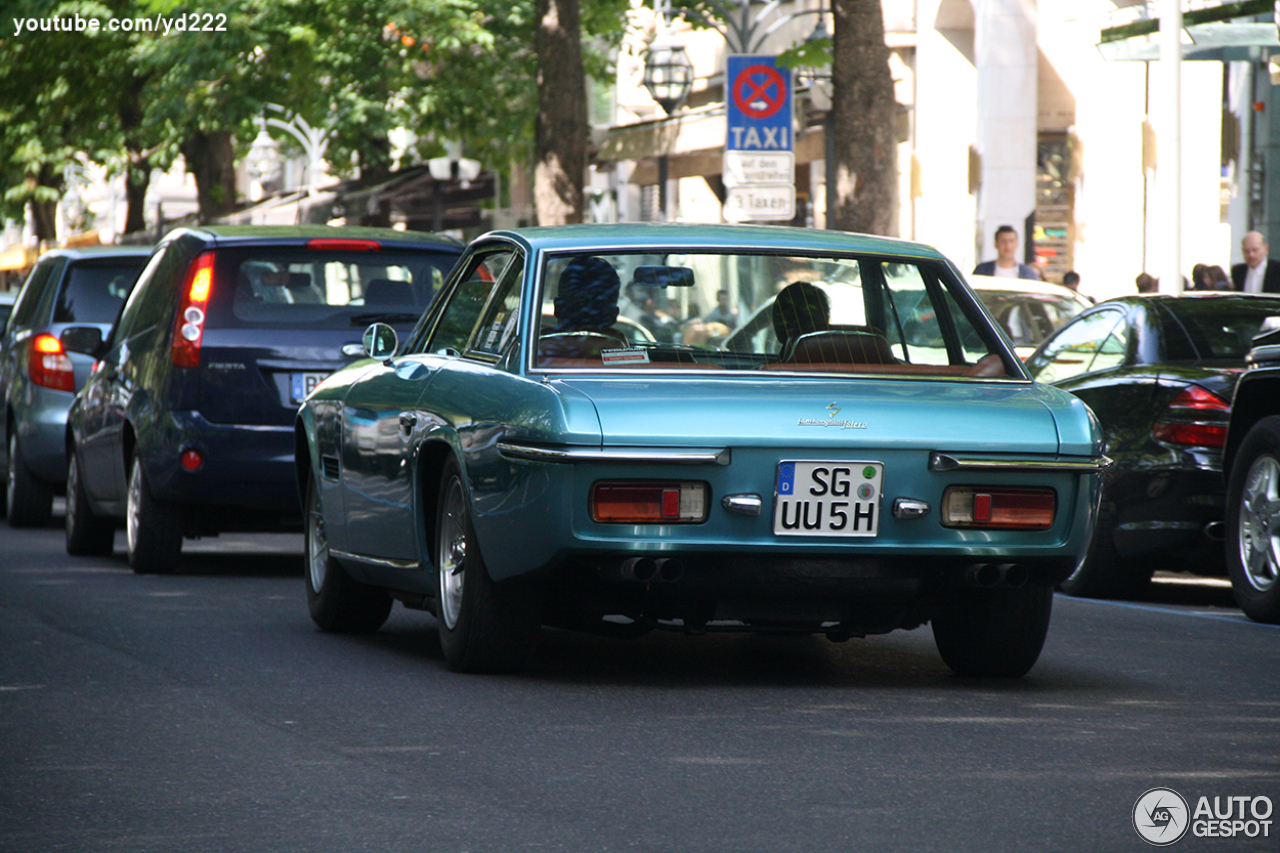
(1253, 523)
(153, 529)
(88, 535)
(28, 499)
(993, 632)
(337, 602)
(484, 626)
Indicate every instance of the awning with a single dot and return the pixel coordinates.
(1209, 33)
(17, 258)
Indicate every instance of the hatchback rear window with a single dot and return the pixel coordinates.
(324, 289)
(94, 292)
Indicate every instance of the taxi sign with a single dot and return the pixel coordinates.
(760, 202)
(759, 105)
(748, 167)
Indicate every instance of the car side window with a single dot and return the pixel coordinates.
(146, 305)
(1080, 347)
(499, 324)
(30, 298)
(461, 315)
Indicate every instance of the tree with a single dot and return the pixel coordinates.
(864, 121)
(561, 131)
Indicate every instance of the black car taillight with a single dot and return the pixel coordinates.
(48, 364)
(1195, 418)
(188, 329)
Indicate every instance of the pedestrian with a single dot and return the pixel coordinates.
(1258, 273)
(724, 312)
(1209, 277)
(1146, 283)
(1071, 281)
(1006, 264)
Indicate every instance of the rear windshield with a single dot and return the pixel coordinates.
(760, 312)
(1218, 328)
(94, 291)
(266, 287)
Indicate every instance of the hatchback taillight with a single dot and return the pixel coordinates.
(48, 364)
(998, 508)
(1195, 418)
(188, 329)
(648, 502)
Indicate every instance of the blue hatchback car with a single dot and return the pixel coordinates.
(877, 458)
(185, 427)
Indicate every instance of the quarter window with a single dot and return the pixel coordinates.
(461, 315)
(1086, 345)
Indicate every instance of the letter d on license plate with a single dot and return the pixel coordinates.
(827, 498)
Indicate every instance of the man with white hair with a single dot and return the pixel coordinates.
(1258, 273)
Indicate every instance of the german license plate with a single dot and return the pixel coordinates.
(827, 498)
(302, 384)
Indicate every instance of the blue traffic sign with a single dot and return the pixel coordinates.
(759, 104)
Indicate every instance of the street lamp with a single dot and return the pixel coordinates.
(668, 75)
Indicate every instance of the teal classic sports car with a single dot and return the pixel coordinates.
(571, 437)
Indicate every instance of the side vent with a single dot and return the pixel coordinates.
(329, 467)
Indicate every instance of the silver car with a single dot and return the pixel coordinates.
(67, 288)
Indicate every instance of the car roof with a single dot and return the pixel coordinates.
(90, 252)
(298, 234)
(1023, 285)
(625, 236)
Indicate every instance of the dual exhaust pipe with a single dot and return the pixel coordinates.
(991, 575)
(647, 569)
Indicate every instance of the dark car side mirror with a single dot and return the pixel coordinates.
(83, 339)
(380, 341)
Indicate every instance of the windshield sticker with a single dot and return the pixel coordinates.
(632, 355)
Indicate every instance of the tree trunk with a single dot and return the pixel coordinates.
(561, 134)
(211, 160)
(865, 122)
(44, 211)
(136, 180)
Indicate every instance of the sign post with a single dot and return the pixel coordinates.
(759, 159)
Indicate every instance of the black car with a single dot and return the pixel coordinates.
(1252, 462)
(1158, 372)
(67, 288)
(185, 429)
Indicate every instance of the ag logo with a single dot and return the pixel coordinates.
(1161, 816)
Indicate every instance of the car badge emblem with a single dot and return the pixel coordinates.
(832, 421)
(833, 409)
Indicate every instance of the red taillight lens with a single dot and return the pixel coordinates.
(188, 329)
(1195, 418)
(341, 244)
(998, 508)
(631, 502)
(48, 364)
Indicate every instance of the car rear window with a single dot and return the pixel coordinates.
(265, 287)
(1219, 328)
(94, 290)
(826, 313)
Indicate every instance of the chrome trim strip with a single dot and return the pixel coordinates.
(621, 456)
(961, 462)
(377, 562)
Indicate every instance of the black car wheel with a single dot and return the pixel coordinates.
(484, 626)
(28, 499)
(993, 632)
(1253, 522)
(88, 535)
(154, 529)
(1103, 573)
(337, 602)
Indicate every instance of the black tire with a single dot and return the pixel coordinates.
(993, 632)
(337, 602)
(484, 626)
(153, 529)
(1103, 573)
(88, 535)
(28, 499)
(1253, 522)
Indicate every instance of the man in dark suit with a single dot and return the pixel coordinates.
(1258, 274)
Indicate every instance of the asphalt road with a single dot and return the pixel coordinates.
(204, 712)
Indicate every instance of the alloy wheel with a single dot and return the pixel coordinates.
(1260, 523)
(452, 553)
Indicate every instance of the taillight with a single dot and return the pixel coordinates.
(48, 364)
(343, 244)
(188, 330)
(998, 508)
(1196, 418)
(640, 502)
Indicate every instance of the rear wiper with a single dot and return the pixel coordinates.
(383, 317)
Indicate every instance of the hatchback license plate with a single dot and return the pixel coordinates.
(302, 384)
(833, 498)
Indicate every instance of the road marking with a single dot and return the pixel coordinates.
(1237, 620)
